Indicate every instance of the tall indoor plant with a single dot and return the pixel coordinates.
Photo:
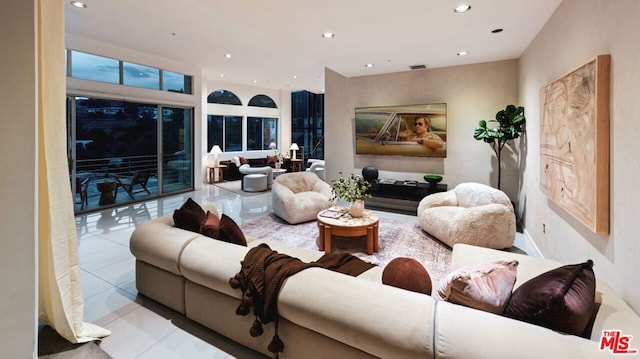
(352, 189)
(510, 123)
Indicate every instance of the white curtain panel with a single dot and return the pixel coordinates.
(61, 304)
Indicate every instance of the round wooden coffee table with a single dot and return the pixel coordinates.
(347, 226)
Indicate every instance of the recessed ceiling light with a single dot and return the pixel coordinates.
(368, 65)
(255, 81)
(462, 8)
(495, 31)
(295, 77)
(221, 75)
(79, 4)
(463, 53)
(227, 56)
(328, 35)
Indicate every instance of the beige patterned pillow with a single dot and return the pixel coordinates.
(486, 287)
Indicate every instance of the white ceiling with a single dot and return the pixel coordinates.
(273, 41)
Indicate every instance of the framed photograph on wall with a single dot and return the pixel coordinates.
(410, 130)
(574, 143)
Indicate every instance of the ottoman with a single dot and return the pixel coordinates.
(255, 182)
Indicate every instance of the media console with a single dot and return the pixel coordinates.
(400, 196)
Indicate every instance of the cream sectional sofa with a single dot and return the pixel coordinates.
(324, 314)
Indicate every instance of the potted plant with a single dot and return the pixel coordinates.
(280, 158)
(352, 189)
(510, 123)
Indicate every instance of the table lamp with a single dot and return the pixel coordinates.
(294, 147)
(272, 145)
(215, 151)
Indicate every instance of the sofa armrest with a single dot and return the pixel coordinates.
(439, 199)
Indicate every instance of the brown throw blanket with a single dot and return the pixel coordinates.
(263, 272)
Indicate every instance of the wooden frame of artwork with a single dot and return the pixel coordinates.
(574, 143)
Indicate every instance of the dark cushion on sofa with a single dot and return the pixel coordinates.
(561, 299)
(230, 232)
(407, 273)
(210, 226)
(189, 216)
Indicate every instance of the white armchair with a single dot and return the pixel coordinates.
(299, 196)
(317, 167)
(471, 213)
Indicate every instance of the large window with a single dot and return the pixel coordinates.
(86, 66)
(114, 155)
(261, 131)
(225, 131)
(307, 122)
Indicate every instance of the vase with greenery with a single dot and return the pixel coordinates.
(508, 125)
(352, 189)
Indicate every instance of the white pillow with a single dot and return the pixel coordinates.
(236, 160)
(486, 287)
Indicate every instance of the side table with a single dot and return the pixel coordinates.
(106, 189)
(296, 165)
(215, 173)
(347, 226)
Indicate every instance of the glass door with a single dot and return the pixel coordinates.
(177, 149)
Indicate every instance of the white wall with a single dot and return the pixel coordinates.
(471, 92)
(17, 181)
(577, 32)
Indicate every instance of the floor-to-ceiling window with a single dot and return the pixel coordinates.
(177, 149)
(307, 122)
(123, 151)
(227, 130)
(119, 151)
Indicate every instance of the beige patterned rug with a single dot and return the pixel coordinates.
(236, 187)
(396, 238)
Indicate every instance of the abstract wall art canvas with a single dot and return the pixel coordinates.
(574, 143)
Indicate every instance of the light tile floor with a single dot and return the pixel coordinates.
(141, 328)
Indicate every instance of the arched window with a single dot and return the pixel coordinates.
(262, 101)
(224, 97)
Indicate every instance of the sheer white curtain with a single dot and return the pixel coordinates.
(61, 303)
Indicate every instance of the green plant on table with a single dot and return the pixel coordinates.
(350, 188)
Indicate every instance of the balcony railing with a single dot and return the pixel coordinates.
(176, 176)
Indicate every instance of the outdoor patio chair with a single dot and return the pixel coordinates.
(82, 186)
(140, 177)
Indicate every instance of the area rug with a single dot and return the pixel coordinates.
(396, 238)
(236, 187)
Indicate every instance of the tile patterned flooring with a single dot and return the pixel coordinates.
(140, 327)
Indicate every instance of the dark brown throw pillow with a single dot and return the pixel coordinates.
(244, 161)
(190, 216)
(407, 273)
(561, 299)
(210, 226)
(271, 160)
(230, 232)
